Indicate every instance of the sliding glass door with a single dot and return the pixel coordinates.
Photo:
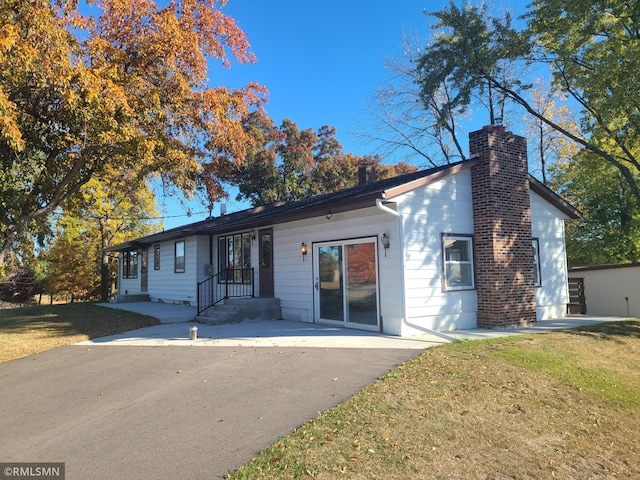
(346, 287)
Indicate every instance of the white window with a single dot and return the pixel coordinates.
(536, 262)
(457, 256)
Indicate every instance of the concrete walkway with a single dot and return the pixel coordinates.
(264, 333)
(282, 333)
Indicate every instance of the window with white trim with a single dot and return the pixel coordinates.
(537, 279)
(457, 259)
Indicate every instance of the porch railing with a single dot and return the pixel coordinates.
(228, 283)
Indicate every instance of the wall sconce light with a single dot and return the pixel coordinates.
(385, 243)
(329, 215)
(303, 250)
(253, 235)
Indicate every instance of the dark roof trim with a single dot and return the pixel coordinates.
(361, 196)
(355, 198)
(553, 198)
(587, 268)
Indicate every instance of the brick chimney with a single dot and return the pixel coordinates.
(366, 174)
(503, 255)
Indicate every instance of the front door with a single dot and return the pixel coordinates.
(265, 271)
(346, 286)
(144, 278)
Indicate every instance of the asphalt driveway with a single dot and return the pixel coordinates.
(144, 412)
(152, 404)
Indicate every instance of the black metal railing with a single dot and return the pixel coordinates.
(228, 283)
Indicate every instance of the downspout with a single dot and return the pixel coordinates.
(211, 249)
(400, 243)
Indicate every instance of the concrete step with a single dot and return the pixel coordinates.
(240, 309)
(226, 308)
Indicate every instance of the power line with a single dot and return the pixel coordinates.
(161, 217)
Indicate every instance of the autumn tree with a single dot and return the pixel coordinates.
(288, 164)
(123, 85)
(73, 261)
(101, 215)
(257, 177)
(591, 48)
(297, 159)
(546, 145)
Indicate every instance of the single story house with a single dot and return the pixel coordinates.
(607, 289)
(478, 243)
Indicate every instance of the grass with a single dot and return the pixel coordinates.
(28, 330)
(562, 405)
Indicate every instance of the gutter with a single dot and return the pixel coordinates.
(398, 215)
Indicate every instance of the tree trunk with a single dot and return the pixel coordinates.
(104, 266)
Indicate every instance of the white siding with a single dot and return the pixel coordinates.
(547, 224)
(441, 207)
(128, 285)
(411, 300)
(165, 285)
(614, 291)
(202, 257)
(294, 278)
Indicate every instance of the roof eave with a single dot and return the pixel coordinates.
(304, 213)
(212, 228)
(553, 198)
(421, 182)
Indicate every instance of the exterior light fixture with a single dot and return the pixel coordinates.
(253, 235)
(385, 243)
(329, 215)
(303, 250)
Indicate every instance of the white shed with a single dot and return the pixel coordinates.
(609, 289)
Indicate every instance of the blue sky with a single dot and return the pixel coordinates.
(321, 62)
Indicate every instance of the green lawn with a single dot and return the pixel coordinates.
(563, 405)
(28, 330)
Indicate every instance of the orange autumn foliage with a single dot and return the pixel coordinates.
(118, 84)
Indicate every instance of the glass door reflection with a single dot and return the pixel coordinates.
(346, 283)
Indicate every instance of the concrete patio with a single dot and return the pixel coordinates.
(177, 321)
